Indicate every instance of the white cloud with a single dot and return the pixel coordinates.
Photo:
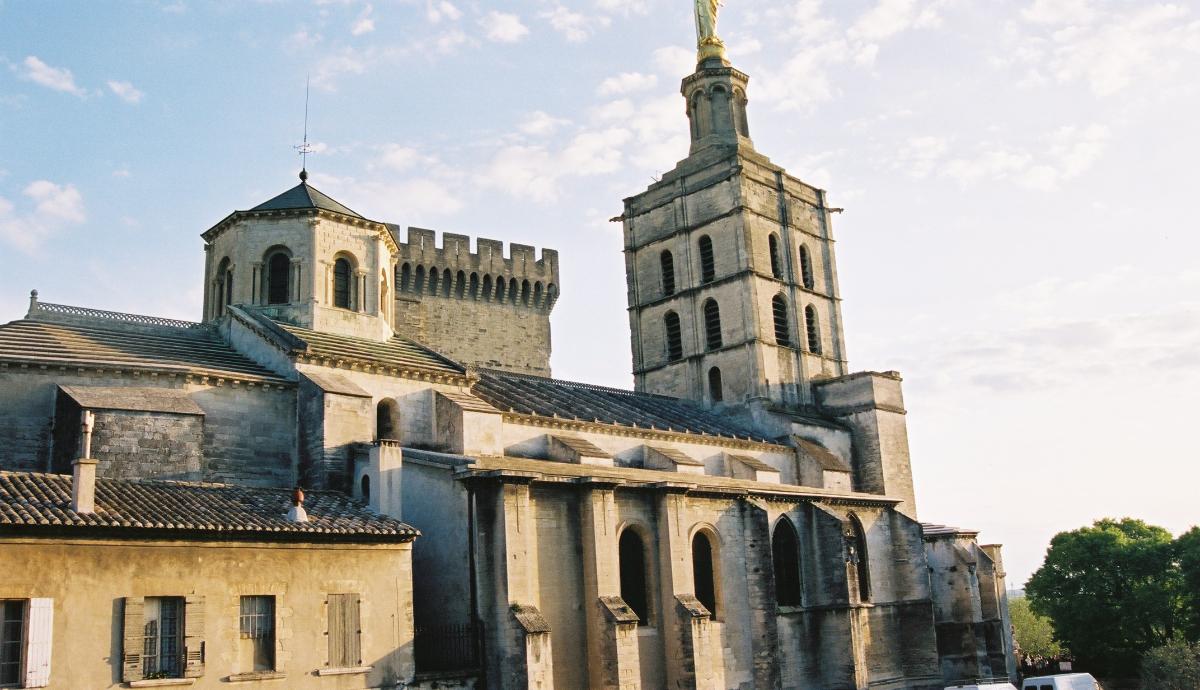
(122, 173)
(331, 67)
(365, 24)
(503, 27)
(437, 10)
(674, 61)
(920, 154)
(301, 39)
(625, 7)
(125, 91)
(448, 41)
(1058, 12)
(1045, 165)
(58, 79)
(574, 26)
(627, 82)
(412, 199)
(55, 207)
(540, 123)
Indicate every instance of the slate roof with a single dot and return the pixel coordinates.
(822, 455)
(536, 395)
(30, 501)
(753, 463)
(304, 196)
(932, 530)
(398, 352)
(117, 343)
(582, 446)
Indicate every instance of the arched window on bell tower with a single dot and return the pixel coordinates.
(773, 249)
(712, 325)
(806, 271)
(674, 336)
(716, 388)
(779, 310)
(707, 267)
(813, 329)
(279, 277)
(343, 277)
(667, 264)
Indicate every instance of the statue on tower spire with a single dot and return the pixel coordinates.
(707, 43)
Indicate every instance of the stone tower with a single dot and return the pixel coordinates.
(733, 292)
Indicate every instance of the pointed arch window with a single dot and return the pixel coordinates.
(857, 557)
(704, 572)
(712, 325)
(785, 556)
(716, 389)
(779, 310)
(632, 563)
(813, 330)
(341, 283)
(806, 270)
(674, 336)
(667, 263)
(773, 250)
(707, 268)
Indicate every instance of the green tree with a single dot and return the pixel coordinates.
(1034, 634)
(1188, 550)
(1113, 590)
(1174, 666)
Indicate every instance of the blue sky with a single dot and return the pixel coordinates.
(1019, 237)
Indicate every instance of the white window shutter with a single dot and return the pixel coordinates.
(38, 643)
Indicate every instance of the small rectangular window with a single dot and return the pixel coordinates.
(257, 628)
(12, 640)
(344, 631)
(162, 634)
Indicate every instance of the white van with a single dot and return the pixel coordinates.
(1001, 685)
(1063, 681)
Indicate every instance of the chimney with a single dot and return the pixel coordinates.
(83, 483)
(296, 513)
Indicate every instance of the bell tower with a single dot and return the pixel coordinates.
(732, 282)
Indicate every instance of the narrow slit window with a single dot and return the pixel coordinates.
(856, 547)
(712, 325)
(667, 262)
(703, 572)
(716, 389)
(779, 310)
(707, 268)
(674, 336)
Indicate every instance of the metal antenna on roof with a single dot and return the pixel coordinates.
(304, 148)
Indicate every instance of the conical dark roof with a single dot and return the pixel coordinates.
(304, 195)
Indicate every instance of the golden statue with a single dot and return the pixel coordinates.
(707, 43)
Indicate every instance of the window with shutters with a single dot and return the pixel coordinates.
(674, 337)
(779, 310)
(707, 268)
(12, 641)
(773, 248)
(667, 263)
(813, 329)
(806, 271)
(257, 632)
(712, 325)
(344, 631)
(162, 637)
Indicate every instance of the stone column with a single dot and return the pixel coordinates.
(760, 580)
(256, 272)
(686, 623)
(296, 292)
(613, 661)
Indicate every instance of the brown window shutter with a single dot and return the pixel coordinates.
(353, 631)
(134, 639)
(193, 636)
(344, 630)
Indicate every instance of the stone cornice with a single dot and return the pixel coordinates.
(372, 367)
(196, 376)
(642, 432)
(382, 229)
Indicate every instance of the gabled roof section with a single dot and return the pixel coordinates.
(536, 395)
(396, 353)
(32, 501)
(304, 196)
(57, 335)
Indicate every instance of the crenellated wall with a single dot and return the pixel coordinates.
(478, 307)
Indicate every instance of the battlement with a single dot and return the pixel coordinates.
(453, 270)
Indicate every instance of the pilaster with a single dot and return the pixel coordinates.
(686, 622)
(613, 661)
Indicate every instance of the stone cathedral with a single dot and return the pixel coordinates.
(745, 518)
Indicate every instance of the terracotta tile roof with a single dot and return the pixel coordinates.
(32, 501)
(118, 343)
(536, 395)
(398, 352)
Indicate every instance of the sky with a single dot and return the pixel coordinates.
(1019, 237)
